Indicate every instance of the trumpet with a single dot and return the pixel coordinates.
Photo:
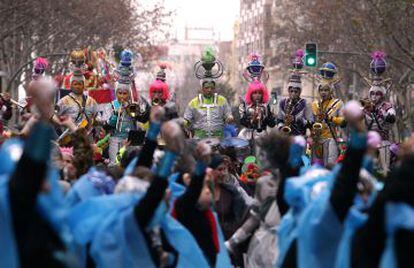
(156, 102)
(367, 104)
(132, 109)
(286, 129)
(258, 115)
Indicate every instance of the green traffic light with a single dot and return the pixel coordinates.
(311, 61)
(311, 54)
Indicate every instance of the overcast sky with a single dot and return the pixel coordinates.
(220, 14)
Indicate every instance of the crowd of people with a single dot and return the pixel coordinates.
(96, 175)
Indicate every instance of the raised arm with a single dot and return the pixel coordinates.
(345, 186)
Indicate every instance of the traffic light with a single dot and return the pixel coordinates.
(311, 55)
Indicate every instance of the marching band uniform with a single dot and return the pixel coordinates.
(379, 114)
(255, 115)
(123, 118)
(326, 117)
(76, 104)
(294, 107)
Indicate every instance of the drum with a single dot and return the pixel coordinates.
(240, 147)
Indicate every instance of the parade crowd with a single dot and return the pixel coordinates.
(93, 174)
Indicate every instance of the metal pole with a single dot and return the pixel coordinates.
(343, 53)
(313, 84)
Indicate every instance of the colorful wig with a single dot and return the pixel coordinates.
(40, 63)
(159, 85)
(39, 66)
(256, 86)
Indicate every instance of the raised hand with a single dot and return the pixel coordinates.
(157, 114)
(43, 93)
(173, 137)
(203, 152)
(353, 115)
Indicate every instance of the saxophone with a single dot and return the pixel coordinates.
(286, 129)
(317, 126)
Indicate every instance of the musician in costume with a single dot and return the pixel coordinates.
(255, 113)
(294, 113)
(326, 119)
(159, 92)
(254, 110)
(126, 112)
(207, 113)
(379, 114)
(78, 64)
(76, 104)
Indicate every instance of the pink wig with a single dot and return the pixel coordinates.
(256, 86)
(159, 85)
(41, 63)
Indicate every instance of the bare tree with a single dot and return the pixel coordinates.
(352, 26)
(33, 28)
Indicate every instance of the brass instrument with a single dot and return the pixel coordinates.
(317, 126)
(156, 102)
(65, 138)
(286, 129)
(132, 109)
(133, 106)
(118, 118)
(367, 104)
(258, 114)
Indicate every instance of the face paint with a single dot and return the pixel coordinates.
(376, 96)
